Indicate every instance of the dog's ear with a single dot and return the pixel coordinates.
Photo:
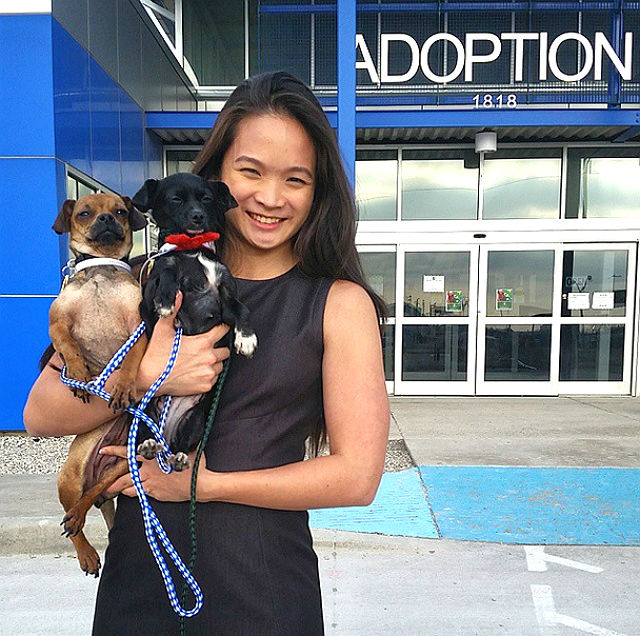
(62, 224)
(137, 220)
(221, 193)
(144, 198)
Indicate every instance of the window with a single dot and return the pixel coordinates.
(603, 182)
(180, 160)
(377, 184)
(522, 184)
(439, 184)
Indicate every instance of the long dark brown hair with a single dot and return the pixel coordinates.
(325, 244)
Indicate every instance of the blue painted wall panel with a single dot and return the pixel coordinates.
(26, 86)
(71, 100)
(105, 127)
(25, 339)
(29, 189)
(131, 145)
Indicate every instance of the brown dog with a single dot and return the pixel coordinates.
(93, 316)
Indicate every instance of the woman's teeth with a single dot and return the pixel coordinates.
(264, 219)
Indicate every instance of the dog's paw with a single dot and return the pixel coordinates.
(245, 343)
(179, 461)
(89, 561)
(73, 521)
(122, 397)
(148, 449)
(163, 309)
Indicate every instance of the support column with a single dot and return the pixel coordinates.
(347, 85)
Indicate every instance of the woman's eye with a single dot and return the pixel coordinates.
(252, 171)
(297, 180)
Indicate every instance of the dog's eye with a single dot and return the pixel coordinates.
(206, 199)
(84, 214)
(176, 200)
(121, 212)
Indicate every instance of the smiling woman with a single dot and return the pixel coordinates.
(317, 372)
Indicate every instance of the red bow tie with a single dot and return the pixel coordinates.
(186, 242)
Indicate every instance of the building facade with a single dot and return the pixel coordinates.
(494, 148)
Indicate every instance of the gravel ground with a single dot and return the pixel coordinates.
(24, 455)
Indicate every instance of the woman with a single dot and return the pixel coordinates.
(317, 369)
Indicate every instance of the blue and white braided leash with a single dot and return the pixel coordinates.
(152, 525)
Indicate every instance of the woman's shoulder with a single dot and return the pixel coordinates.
(347, 305)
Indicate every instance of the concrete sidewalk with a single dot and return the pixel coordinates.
(425, 433)
(515, 431)
(453, 464)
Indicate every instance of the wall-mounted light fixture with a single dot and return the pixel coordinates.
(486, 142)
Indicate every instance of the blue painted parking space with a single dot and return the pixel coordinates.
(573, 506)
(590, 506)
(400, 508)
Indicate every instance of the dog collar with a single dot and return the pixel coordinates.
(72, 267)
(186, 242)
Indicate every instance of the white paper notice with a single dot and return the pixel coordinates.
(578, 301)
(433, 283)
(602, 300)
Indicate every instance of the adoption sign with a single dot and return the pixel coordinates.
(467, 58)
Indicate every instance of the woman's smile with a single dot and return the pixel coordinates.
(262, 220)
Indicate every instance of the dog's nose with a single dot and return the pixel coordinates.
(196, 217)
(106, 218)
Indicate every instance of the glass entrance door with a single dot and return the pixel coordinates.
(517, 340)
(555, 319)
(436, 300)
(596, 323)
(517, 319)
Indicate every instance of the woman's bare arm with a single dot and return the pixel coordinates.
(357, 417)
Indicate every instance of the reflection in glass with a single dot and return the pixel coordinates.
(180, 160)
(521, 188)
(611, 187)
(380, 273)
(603, 182)
(451, 267)
(376, 184)
(434, 353)
(591, 353)
(520, 353)
(602, 274)
(388, 350)
(72, 188)
(214, 38)
(529, 277)
(436, 185)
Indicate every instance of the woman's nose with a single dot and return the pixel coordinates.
(269, 194)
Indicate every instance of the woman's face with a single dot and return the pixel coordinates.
(270, 170)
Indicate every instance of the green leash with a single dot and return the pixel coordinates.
(194, 480)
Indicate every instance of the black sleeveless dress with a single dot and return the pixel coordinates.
(256, 566)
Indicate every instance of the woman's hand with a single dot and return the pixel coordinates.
(197, 366)
(175, 486)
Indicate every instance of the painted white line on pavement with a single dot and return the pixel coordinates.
(547, 616)
(537, 561)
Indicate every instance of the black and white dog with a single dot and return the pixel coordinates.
(190, 214)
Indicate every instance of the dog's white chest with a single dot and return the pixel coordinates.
(212, 270)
